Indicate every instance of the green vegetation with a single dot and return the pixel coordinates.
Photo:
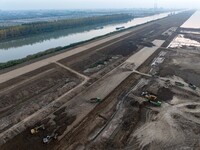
(34, 56)
(43, 27)
(30, 57)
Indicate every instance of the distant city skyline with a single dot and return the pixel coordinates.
(95, 4)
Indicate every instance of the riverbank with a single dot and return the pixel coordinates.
(53, 51)
(38, 28)
(5, 67)
(30, 105)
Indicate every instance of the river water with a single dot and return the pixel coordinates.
(20, 48)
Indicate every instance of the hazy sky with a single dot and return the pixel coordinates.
(85, 4)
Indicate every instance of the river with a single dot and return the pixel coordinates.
(20, 48)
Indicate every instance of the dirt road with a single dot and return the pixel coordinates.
(137, 59)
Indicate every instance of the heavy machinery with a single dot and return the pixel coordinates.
(151, 98)
(179, 84)
(192, 86)
(49, 138)
(155, 75)
(120, 28)
(167, 83)
(37, 129)
(95, 100)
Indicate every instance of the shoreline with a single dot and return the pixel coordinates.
(14, 64)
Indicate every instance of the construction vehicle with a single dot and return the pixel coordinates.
(179, 84)
(151, 98)
(37, 129)
(155, 75)
(167, 83)
(192, 86)
(49, 138)
(120, 28)
(95, 100)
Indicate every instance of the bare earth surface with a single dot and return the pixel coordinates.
(56, 92)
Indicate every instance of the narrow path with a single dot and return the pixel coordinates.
(71, 70)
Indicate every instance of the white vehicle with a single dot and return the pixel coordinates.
(49, 138)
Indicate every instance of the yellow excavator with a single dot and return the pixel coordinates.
(37, 129)
(152, 99)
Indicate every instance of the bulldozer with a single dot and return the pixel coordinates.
(95, 100)
(179, 84)
(151, 98)
(37, 129)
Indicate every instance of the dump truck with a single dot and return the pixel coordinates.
(95, 100)
(151, 98)
(49, 138)
(37, 129)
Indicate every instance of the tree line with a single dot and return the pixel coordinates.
(43, 27)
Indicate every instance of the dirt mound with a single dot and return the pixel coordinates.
(175, 126)
(165, 94)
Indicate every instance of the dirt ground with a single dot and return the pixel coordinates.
(123, 48)
(126, 47)
(21, 100)
(175, 125)
(118, 122)
(172, 125)
(184, 64)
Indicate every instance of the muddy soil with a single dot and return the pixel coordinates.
(179, 120)
(181, 64)
(61, 119)
(56, 123)
(25, 76)
(23, 100)
(123, 48)
(165, 94)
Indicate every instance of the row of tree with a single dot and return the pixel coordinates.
(42, 27)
